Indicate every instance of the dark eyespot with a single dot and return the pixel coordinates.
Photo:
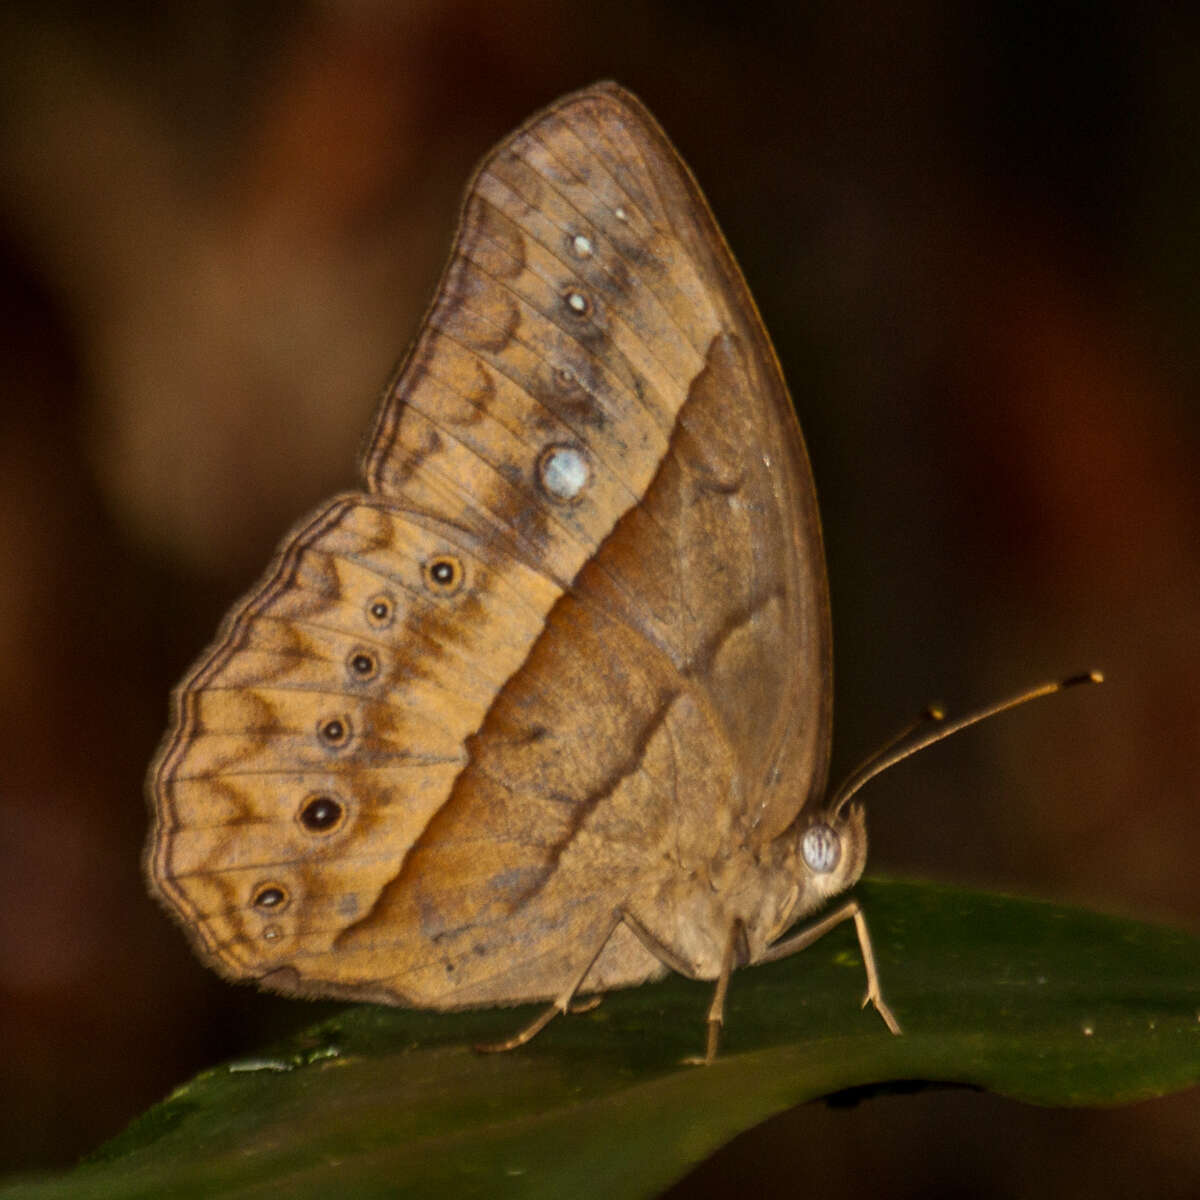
(381, 610)
(363, 664)
(321, 814)
(270, 897)
(443, 574)
(335, 731)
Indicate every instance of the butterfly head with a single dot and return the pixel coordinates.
(820, 855)
(833, 847)
(827, 854)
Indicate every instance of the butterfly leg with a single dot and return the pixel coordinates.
(579, 1007)
(736, 954)
(850, 910)
(736, 951)
(564, 1003)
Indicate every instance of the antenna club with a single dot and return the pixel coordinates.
(1086, 677)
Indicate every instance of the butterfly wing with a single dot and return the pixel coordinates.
(575, 629)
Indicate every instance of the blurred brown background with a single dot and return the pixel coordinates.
(972, 230)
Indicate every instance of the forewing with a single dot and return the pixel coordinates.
(590, 203)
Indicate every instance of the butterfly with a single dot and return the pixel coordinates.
(544, 709)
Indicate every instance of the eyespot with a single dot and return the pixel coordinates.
(272, 933)
(362, 665)
(821, 848)
(581, 245)
(443, 574)
(335, 732)
(563, 472)
(321, 814)
(381, 611)
(270, 897)
(577, 303)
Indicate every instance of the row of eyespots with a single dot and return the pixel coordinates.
(581, 246)
(563, 472)
(321, 815)
(443, 575)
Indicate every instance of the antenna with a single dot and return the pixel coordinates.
(898, 748)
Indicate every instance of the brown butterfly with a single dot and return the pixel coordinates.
(545, 709)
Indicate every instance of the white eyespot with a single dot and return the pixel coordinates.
(581, 246)
(563, 472)
(620, 214)
(577, 302)
(821, 848)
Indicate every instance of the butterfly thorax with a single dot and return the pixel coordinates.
(767, 892)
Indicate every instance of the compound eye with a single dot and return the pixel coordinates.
(821, 848)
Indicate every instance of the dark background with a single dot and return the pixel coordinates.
(972, 230)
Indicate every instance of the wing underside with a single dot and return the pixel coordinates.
(573, 638)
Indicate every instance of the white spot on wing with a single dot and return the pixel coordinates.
(563, 472)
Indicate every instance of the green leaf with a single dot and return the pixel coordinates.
(1037, 1002)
